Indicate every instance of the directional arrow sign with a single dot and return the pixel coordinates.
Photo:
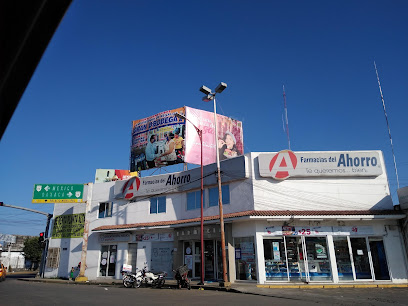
(58, 193)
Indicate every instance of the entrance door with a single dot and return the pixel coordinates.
(209, 260)
(379, 260)
(107, 262)
(192, 258)
(360, 258)
(295, 259)
(197, 259)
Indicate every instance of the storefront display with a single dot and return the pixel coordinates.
(318, 259)
(307, 259)
(343, 259)
(245, 265)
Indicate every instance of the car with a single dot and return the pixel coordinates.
(3, 272)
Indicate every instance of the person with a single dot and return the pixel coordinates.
(228, 146)
(170, 150)
(179, 142)
(150, 152)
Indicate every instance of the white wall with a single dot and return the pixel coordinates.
(70, 248)
(394, 249)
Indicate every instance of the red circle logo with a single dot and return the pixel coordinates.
(282, 164)
(130, 187)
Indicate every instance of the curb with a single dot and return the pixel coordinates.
(333, 286)
(119, 284)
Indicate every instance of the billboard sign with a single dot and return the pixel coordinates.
(68, 226)
(8, 238)
(285, 164)
(58, 193)
(157, 140)
(230, 137)
(107, 175)
(232, 169)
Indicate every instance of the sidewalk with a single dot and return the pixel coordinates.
(237, 287)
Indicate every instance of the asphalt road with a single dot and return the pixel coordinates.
(15, 292)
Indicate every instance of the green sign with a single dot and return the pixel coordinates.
(58, 193)
(68, 226)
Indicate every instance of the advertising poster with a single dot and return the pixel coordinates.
(68, 226)
(288, 230)
(107, 175)
(247, 252)
(157, 141)
(230, 137)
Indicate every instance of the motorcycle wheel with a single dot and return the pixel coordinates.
(138, 282)
(161, 283)
(188, 285)
(127, 282)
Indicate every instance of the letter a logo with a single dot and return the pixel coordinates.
(130, 187)
(282, 164)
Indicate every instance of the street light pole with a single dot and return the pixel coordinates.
(211, 96)
(200, 135)
(45, 250)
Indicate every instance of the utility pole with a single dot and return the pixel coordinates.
(49, 217)
(81, 277)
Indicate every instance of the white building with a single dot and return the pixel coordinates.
(289, 217)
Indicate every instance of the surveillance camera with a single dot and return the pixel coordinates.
(205, 90)
(220, 88)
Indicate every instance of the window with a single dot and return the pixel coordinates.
(105, 210)
(213, 193)
(194, 199)
(158, 205)
(107, 264)
(53, 258)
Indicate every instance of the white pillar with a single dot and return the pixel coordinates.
(332, 256)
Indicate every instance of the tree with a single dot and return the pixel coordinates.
(32, 249)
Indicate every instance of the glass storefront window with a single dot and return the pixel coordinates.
(318, 261)
(285, 259)
(275, 259)
(360, 258)
(343, 259)
(307, 258)
(245, 264)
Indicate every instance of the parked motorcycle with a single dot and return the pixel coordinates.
(132, 279)
(181, 275)
(155, 280)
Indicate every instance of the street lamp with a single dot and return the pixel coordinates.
(209, 95)
(200, 134)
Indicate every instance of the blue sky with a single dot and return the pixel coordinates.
(111, 62)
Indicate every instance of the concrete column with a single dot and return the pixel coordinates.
(260, 258)
(332, 256)
(231, 252)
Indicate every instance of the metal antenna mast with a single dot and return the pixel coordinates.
(286, 116)
(388, 126)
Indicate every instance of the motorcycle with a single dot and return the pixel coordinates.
(132, 279)
(181, 275)
(155, 280)
(145, 277)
